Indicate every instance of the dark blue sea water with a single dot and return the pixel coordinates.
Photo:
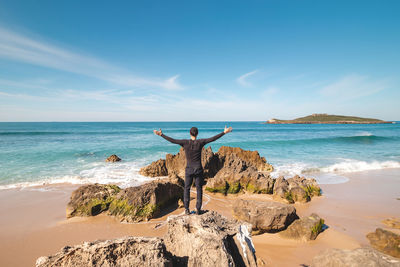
(37, 153)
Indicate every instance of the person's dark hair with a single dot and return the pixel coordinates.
(194, 131)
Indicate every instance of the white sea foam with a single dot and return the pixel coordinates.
(364, 133)
(351, 165)
(334, 173)
(124, 174)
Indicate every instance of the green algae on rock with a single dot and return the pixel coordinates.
(132, 204)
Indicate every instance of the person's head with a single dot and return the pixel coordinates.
(194, 131)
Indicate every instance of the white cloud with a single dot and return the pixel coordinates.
(352, 86)
(17, 47)
(242, 80)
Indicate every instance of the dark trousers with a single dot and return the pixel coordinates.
(197, 175)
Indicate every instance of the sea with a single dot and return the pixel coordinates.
(33, 154)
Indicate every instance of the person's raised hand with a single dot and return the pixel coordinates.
(159, 132)
(227, 130)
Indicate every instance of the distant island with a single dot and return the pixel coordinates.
(327, 119)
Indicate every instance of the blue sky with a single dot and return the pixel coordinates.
(198, 60)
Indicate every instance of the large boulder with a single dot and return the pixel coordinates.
(210, 239)
(296, 189)
(241, 159)
(132, 204)
(360, 257)
(249, 180)
(304, 229)
(232, 170)
(90, 200)
(206, 240)
(385, 241)
(155, 169)
(264, 216)
(113, 158)
(143, 202)
(176, 164)
(241, 170)
(128, 251)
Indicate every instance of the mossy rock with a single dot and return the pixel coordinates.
(122, 208)
(91, 200)
(234, 188)
(219, 189)
(312, 190)
(289, 197)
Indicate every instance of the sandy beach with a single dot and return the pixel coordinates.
(33, 222)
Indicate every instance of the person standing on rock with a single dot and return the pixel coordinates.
(194, 169)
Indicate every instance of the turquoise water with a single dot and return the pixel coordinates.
(38, 153)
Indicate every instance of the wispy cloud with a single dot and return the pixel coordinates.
(353, 86)
(21, 48)
(242, 80)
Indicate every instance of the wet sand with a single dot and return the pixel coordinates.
(33, 222)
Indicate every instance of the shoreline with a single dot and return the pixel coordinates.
(33, 221)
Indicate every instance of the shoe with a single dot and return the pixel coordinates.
(187, 212)
(199, 212)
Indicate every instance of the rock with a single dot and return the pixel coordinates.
(180, 203)
(246, 158)
(132, 204)
(360, 257)
(143, 202)
(305, 229)
(264, 216)
(232, 182)
(90, 200)
(206, 240)
(176, 164)
(128, 251)
(232, 170)
(309, 185)
(113, 158)
(241, 170)
(392, 222)
(298, 194)
(210, 162)
(296, 189)
(210, 239)
(385, 241)
(155, 169)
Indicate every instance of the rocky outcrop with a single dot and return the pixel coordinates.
(155, 169)
(304, 229)
(231, 156)
(128, 251)
(113, 158)
(296, 189)
(129, 205)
(385, 241)
(211, 240)
(206, 240)
(143, 202)
(90, 200)
(232, 170)
(360, 257)
(241, 170)
(176, 164)
(227, 181)
(264, 216)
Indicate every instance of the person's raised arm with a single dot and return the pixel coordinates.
(212, 139)
(172, 140)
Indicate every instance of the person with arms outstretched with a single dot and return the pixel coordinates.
(194, 169)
